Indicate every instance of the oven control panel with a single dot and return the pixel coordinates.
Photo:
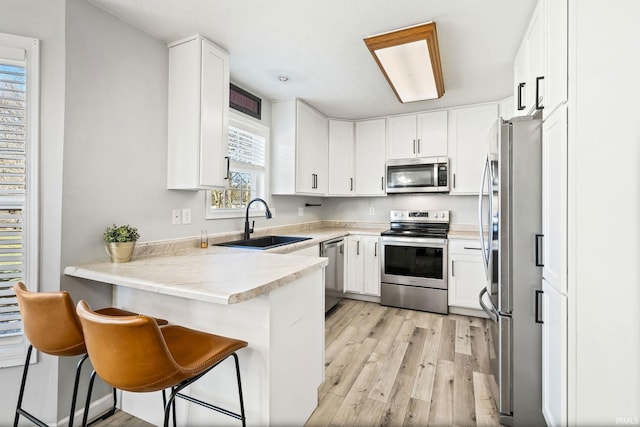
(420, 216)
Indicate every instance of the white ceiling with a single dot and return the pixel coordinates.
(319, 45)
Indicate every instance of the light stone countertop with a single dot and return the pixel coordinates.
(217, 274)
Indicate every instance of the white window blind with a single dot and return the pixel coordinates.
(246, 147)
(13, 121)
(19, 177)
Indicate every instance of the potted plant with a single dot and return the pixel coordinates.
(120, 240)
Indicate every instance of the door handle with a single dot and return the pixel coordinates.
(538, 249)
(418, 145)
(414, 146)
(228, 159)
(351, 187)
(375, 249)
(520, 87)
(538, 106)
(453, 271)
(538, 306)
(358, 247)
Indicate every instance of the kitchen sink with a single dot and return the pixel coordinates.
(264, 242)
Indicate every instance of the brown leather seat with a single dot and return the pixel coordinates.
(134, 354)
(52, 326)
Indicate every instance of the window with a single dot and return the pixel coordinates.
(19, 111)
(247, 150)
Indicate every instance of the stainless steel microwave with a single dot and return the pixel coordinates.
(418, 175)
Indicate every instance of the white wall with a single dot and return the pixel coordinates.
(463, 208)
(43, 19)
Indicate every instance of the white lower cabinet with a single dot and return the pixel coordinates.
(466, 274)
(362, 262)
(554, 355)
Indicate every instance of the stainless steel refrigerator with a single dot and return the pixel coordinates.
(510, 221)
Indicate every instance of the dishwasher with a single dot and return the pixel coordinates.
(333, 272)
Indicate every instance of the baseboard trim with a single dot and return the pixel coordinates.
(97, 408)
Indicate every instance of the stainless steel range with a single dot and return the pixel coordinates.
(414, 261)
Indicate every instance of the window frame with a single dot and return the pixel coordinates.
(13, 348)
(246, 124)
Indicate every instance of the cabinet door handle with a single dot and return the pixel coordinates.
(358, 247)
(375, 249)
(520, 87)
(453, 270)
(473, 249)
(351, 179)
(538, 249)
(538, 306)
(538, 106)
(454, 180)
(382, 183)
(414, 146)
(228, 159)
(419, 146)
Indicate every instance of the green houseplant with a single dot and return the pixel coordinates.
(120, 241)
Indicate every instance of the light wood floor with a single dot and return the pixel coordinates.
(392, 367)
(386, 366)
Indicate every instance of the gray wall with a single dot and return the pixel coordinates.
(43, 19)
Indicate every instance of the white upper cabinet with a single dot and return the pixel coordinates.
(471, 130)
(530, 65)
(370, 158)
(341, 158)
(198, 115)
(556, 50)
(300, 149)
(421, 135)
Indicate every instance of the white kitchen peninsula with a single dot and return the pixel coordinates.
(274, 302)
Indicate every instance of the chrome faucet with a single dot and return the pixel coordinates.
(248, 230)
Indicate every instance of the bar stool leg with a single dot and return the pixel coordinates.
(235, 358)
(75, 389)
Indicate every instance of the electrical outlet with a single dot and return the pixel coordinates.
(300, 211)
(371, 210)
(175, 216)
(186, 216)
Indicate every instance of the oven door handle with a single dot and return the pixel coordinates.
(491, 312)
(415, 241)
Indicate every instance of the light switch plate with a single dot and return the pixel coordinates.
(186, 216)
(175, 216)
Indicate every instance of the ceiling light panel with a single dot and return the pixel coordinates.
(410, 61)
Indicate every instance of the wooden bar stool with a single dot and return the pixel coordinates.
(134, 354)
(52, 326)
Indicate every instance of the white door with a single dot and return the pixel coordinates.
(554, 200)
(471, 130)
(371, 267)
(370, 158)
(402, 137)
(341, 158)
(554, 356)
(432, 134)
(354, 265)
